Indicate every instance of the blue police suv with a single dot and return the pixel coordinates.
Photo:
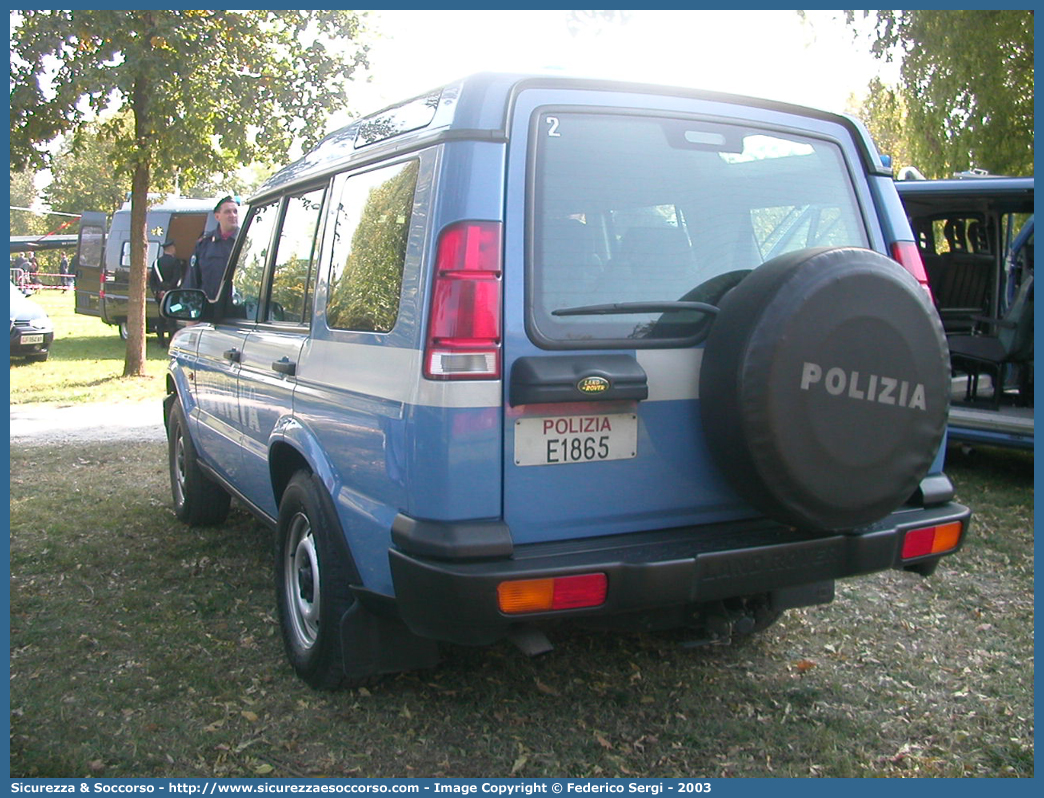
(527, 350)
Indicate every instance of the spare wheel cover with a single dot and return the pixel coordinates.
(825, 387)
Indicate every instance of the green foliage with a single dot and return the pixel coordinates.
(884, 112)
(23, 195)
(87, 174)
(206, 91)
(216, 88)
(23, 190)
(966, 88)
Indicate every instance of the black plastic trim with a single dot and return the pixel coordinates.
(543, 380)
(457, 600)
(462, 540)
(935, 489)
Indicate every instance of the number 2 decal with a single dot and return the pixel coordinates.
(552, 127)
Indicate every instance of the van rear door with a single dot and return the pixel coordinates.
(88, 266)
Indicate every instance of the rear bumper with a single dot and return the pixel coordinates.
(456, 600)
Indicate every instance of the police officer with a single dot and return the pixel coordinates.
(166, 274)
(208, 263)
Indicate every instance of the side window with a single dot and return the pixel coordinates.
(250, 268)
(150, 255)
(370, 231)
(291, 275)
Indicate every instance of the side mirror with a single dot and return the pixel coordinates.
(184, 304)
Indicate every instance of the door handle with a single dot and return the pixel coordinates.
(285, 366)
(232, 355)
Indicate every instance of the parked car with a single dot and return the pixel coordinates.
(31, 329)
(510, 354)
(102, 264)
(975, 235)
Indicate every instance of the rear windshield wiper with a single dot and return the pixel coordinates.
(621, 308)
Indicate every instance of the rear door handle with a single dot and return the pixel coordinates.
(285, 366)
(232, 355)
(577, 378)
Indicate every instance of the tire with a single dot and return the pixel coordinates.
(198, 500)
(825, 387)
(312, 576)
(123, 329)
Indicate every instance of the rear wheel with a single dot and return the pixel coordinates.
(198, 500)
(312, 585)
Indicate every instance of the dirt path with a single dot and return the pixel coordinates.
(40, 424)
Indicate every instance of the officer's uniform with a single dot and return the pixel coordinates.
(166, 274)
(208, 263)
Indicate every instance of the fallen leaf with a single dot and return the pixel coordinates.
(543, 688)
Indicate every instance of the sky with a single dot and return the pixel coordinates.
(773, 54)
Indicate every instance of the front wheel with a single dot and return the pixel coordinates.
(312, 579)
(198, 500)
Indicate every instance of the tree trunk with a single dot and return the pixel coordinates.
(134, 363)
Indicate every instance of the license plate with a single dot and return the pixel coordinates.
(35, 338)
(558, 440)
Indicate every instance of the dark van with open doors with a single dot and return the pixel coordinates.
(975, 235)
(102, 267)
(529, 350)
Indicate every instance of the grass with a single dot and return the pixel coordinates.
(140, 647)
(86, 361)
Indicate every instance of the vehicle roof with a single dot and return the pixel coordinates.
(1004, 194)
(477, 107)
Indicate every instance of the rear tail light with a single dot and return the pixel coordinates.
(545, 595)
(905, 253)
(931, 540)
(464, 330)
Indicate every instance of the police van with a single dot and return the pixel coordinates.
(528, 350)
(102, 265)
(975, 235)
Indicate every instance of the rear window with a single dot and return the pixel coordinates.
(642, 209)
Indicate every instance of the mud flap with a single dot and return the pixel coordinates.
(371, 645)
